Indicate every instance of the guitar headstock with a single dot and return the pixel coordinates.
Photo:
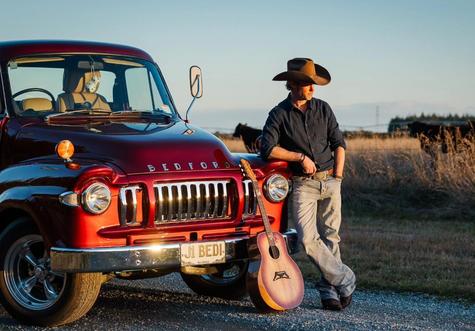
(247, 169)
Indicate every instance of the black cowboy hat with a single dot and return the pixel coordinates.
(303, 70)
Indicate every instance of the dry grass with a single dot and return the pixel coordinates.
(382, 144)
(396, 177)
(235, 145)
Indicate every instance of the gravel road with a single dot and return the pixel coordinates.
(167, 304)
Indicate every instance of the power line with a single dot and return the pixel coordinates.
(377, 115)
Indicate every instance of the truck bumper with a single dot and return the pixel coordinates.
(129, 258)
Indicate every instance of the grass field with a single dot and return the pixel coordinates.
(394, 177)
(409, 219)
(433, 257)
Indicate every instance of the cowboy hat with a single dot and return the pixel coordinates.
(303, 70)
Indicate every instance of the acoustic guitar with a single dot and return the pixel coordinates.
(274, 280)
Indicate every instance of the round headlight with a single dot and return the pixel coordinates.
(96, 198)
(276, 188)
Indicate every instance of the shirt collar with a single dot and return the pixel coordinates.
(287, 104)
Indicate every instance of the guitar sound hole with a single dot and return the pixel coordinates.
(274, 252)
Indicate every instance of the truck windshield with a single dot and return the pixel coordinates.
(45, 85)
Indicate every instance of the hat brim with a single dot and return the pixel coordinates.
(322, 76)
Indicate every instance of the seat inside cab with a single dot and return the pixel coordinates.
(80, 91)
(36, 104)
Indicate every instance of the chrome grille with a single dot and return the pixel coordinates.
(187, 201)
(250, 201)
(192, 201)
(128, 204)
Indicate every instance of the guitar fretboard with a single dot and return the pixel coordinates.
(270, 236)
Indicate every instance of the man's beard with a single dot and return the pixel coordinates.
(303, 96)
(306, 96)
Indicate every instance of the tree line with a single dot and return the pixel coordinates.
(401, 123)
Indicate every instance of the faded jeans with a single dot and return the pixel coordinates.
(316, 212)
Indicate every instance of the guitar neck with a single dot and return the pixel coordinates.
(265, 218)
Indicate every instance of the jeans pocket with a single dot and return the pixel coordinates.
(332, 179)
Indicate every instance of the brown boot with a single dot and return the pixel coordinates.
(345, 301)
(331, 304)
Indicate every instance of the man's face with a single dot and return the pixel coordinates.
(302, 91)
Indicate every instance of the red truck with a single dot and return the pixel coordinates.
(100, 177)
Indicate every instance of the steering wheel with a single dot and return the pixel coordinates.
(34, 89)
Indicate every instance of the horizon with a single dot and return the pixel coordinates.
(256, 118)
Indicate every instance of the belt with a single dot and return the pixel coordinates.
(321, 175)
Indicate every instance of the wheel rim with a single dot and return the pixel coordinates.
(228, 274)
(28, 275)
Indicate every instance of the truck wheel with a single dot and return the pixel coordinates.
(30, 291)
(228, 283)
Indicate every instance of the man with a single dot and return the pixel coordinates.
(303, 130)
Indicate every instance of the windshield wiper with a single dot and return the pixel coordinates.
(80, 111)
(107, 114)
(141, 112)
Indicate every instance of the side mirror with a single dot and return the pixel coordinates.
(196, 82)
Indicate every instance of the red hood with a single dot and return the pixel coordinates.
(133, 147)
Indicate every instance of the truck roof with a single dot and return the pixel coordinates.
(11, 49)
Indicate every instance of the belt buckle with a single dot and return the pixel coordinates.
(322, 175)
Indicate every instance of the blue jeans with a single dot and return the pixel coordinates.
(316, 211)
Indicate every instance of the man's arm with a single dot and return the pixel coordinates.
(270, 134)
(337, 143)
(281, 153)
(339, 161)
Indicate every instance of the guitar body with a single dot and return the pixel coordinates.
(274, 280)
(274, 284)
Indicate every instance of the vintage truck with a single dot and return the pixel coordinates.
(100, 177)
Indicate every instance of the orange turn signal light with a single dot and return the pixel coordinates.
(65, 149)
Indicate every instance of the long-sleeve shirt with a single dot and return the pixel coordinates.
(314, 132)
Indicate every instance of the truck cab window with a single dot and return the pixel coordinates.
(142, 91)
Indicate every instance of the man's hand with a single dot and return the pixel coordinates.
(309, 167)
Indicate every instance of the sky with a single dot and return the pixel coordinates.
(386, 58)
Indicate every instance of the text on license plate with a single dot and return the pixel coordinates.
(211, 252)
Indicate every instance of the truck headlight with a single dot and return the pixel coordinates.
(276, 188)
(96, 198)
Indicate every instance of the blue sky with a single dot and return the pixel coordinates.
(403, 57)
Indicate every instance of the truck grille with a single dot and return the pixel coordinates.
(192, 201)
(250, 200)
(187, 201)
(130, 201)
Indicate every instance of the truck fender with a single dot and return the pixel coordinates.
(32, 200)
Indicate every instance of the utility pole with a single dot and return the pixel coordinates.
(377, 117)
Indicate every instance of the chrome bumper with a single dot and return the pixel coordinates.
(128, 258)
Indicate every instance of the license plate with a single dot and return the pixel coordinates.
(212, 252)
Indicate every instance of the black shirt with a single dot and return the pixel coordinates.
(314, 132)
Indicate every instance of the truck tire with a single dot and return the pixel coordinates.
(30, 291)
(228, 283)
